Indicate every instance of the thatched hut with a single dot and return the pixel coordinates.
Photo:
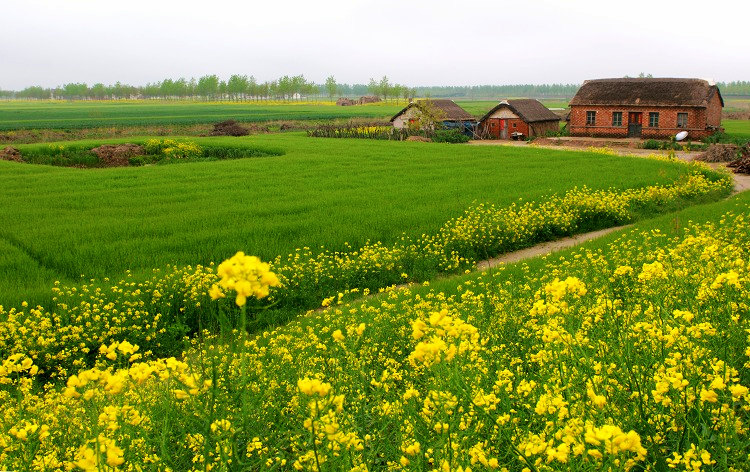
(446, 112)
(518, 118)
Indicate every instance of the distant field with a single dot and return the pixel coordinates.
(91, 114)
(738, 128)
(736, 104)
(100, 222)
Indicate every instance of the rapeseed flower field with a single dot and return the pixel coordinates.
(630, 357)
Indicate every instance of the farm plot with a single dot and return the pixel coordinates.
(339, 194)
(92, 114)
(737, 128)
(624, 354)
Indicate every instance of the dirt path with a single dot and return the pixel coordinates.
(623, 151)
(542, 249)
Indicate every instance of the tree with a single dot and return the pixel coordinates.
(236, 86)
(208, 86)
(385, 87)
(373, 87)
(429, 118)
(331, 86)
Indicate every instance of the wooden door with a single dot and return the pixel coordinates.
(503, 129)
(635, 124)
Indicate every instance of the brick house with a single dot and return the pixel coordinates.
(518, 118)
(448, 112)
(646, 108)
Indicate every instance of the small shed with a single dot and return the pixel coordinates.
(518, 118)
(448, 113)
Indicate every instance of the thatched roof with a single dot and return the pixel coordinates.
(449, 109)
(528, 109)
(646, 92)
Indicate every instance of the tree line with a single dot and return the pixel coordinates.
(211, 87)
(244, 88)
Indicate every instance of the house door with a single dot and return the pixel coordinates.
(503, 129)
(635, 124)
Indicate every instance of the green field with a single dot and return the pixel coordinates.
(90, 114)
(16, 115)
(737, 128)
(61, 223)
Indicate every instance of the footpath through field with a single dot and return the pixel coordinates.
(741, 184)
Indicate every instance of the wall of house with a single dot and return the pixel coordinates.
(541, 128)
(517, 125)
(402, 121)
(713, 112)
(697, 121)
(503, 112)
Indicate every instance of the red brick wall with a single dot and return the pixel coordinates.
(517, 126)
(713, 112)
(528, 130)
(697, 118)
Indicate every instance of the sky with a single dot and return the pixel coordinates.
(413, 42)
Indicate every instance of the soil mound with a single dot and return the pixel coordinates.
(742, 165)
(229, 128)
(10, 154)
(117, 155)
(719, 153)
(419, 139)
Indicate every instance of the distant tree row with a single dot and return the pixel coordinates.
(244, 88)
(211, 87)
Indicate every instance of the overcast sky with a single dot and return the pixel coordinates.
(413, 42)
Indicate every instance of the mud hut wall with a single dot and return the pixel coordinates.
(402, 120)
(541, 128)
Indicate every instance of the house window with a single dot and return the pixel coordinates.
(590, 118)
(514, 125)
(617, 118)
(682, 120)
(653, 119)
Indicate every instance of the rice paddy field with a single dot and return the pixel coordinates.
(16, 115)
(737, 128)
(321, 192)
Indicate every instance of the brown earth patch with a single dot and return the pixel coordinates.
(229, 128)
(117, 155)
(10, 154)
(419, 139)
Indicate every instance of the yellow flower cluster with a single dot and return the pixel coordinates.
(246, 275)
(172, 149)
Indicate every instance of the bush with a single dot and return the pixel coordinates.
(450, 136)
(654, 144)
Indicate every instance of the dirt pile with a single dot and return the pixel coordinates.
(419, 139)
(10, 154)
(719, 153)
(117, 155)
(229, 128)
(742, 165)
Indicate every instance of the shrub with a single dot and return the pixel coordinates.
(449, 136)
(653, 144)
